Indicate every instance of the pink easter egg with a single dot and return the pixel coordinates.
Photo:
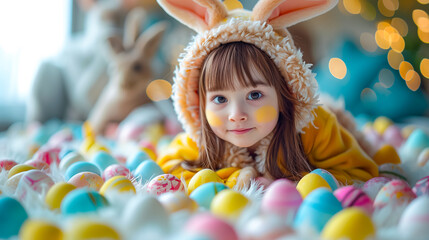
(87, 179)
(422, 187)
(115, 170)
(281, 198)
(393, 136)
(350, 196)
(48, 155)
(373, 186)
(38, 164)
(35, 180)
(208, 225)
(7, 164)
(164, 183)
(61, 137)
(394, 192)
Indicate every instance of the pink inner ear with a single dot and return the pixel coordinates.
(192, 7)
(290, 6)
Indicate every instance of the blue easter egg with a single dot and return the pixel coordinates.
(136, 159)
(102, 160)
(418, 139)
(316, 209)
(205, 193)
(78, 167)
(12, 216)
(82, 200)
(64, 151)
(330, 179)
(147, 170)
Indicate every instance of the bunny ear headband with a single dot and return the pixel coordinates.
(264, 27)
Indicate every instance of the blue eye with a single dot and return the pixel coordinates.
(255, 95)
(220, 99)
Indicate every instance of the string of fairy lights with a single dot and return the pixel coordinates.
(402, 29)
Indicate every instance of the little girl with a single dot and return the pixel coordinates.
(247, 101)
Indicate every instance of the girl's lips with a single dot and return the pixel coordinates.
(241, 131)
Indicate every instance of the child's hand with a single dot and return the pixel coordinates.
(247, 173)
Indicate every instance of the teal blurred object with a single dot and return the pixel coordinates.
(363, 71)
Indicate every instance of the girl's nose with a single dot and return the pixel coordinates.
(237, 116)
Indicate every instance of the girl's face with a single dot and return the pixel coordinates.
(243, 116)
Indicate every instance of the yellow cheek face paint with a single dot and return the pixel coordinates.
(213, 120)
(265, 114)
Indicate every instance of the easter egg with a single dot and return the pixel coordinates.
(12, 183)
(329, 178)
(164, 183)
(86, 179)
(311, 182)
(69, 159)
(393, 136)
(48, 155)
(136, 159)
(19, 168)
(12, 216)
(205, 193)
(381, 124)
(394, 192)
(228, 204)
(373, 186)
(281, 198)
(373, 137)
(201, 177)
(6, 165)
(176, 201)
(61, 137)
(148, 148)
(90, 229)
(212, 226)
(147, 170)
(78, 167)
(64, 151)
(38, 164)
(82, 200)
(350, 196)
(416, 142)
(35, 180)
(102, 160)
(40, 229)
(422, 187)
(56, 194)
(414, 221)
(115, 170)
(344, 225)
(145, 212)
(316, 209)
(118, 184)
(392, 171)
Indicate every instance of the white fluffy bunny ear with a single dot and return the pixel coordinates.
(285, 13)
(199, 15)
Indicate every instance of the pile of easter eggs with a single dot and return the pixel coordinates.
(74, 188)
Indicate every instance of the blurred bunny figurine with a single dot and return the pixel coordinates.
(130, 72)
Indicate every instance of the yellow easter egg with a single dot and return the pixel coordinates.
(56, 194)
(119, 184)
(381, 124)
(228, 204)
(18, 169)
(351, 223)
(201, 177)
(88, 229)
(232, 179)
(311, 182)
(40, 230)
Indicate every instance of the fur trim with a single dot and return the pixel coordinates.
(287, 58)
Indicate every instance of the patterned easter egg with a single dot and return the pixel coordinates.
(311, 182)
(38, 164)
(69, 159)
(12, 216)
(78, 167)
(136, 159)
(394, 192)
(414, 221)
(205, 193)
(350, 196)
(392, 171)
(6, 165)
(56, 194)
(86, 179)
(422, 187)
(82, 228)
(164, 183)
(48, 155)
(82, 200)
(316, 210)
(228, 204)
(373, 186)
(40, 229)
(329, 178)
(115, 170)
(281, 198)
(215, 228)
(119, 184)
(35, 180)
(147, 170)
(102, 160)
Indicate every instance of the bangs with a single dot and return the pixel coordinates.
(237, 65)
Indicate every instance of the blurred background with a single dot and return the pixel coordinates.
(372, 55)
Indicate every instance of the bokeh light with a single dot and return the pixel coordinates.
(424, 67)
(423, 1)
(417, 14)
(394, 58)
(391, 5)
(413, 80)
(384, 10)
(386, 78)
(159, 90)
(367, 41)
(424, 36)
(368, 11)
(381, 39)
(404, 67)
(352, 6)
(400, 25)
(338, 68)
(368, 95)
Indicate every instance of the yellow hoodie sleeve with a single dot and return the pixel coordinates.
(331, 147)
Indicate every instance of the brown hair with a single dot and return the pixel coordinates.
(240, 61)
